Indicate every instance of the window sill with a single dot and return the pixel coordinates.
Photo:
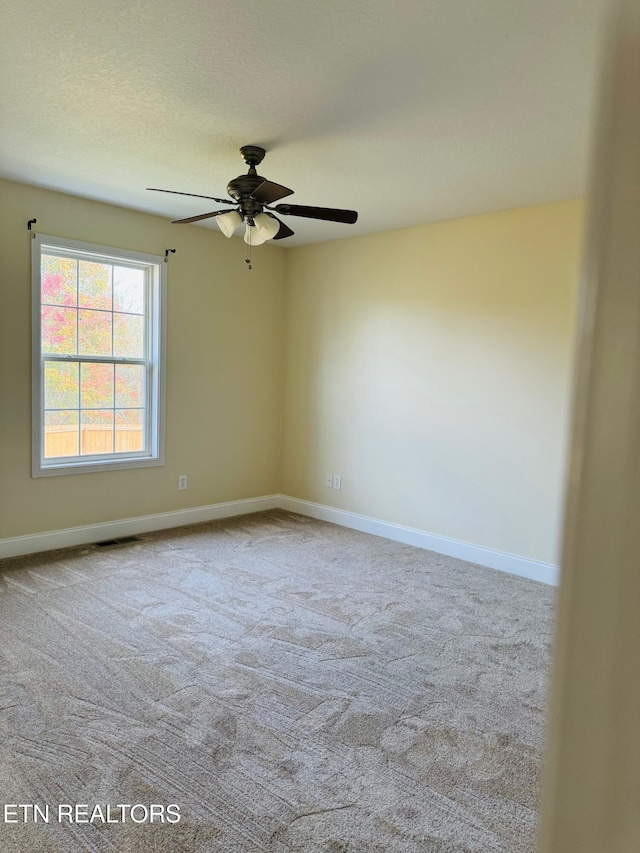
(95, 466)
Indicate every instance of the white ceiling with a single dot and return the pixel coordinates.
(409, 111)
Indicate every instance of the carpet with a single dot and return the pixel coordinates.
(269, 683)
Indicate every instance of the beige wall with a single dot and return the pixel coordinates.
(430, 367)
(223, 368)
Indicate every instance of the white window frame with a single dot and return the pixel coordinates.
(156, 301)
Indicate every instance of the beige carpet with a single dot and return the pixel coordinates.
(289, 684)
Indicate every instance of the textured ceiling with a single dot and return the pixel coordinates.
(409, 111)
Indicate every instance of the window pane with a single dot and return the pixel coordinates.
(129, 385)
(128, 335)
(96, 431)
(59, 330)
(94, 332)
(128, 290)
(95, 285)
(60, 385)
(96, 386)
(58, 280)
(129, 430)
(99, 316)
(60, 434)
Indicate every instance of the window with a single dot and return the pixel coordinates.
(98, 357)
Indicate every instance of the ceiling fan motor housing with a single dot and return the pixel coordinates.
(241, 188)
(244, 185)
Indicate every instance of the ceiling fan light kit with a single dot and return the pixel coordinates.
(252, 198)
(267, 226)
(252, 236)
(229, 222)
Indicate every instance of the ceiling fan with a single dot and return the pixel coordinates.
(253, 197)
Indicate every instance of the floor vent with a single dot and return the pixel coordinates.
(113, 543)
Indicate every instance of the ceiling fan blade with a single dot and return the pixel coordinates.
(330, 214)
(193, 195)
(268, 192)
(198, 218)
(283, 231)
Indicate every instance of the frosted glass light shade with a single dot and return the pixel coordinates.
(229, 222)
(267, 226)
(252, 236)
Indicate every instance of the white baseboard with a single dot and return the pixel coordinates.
(89, 533)
(31, 544)
(522, 566)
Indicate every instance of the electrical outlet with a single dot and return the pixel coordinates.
(182, 482)
(329, 483)
(337, 481)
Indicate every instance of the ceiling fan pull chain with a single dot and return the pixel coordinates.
(248, 260)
